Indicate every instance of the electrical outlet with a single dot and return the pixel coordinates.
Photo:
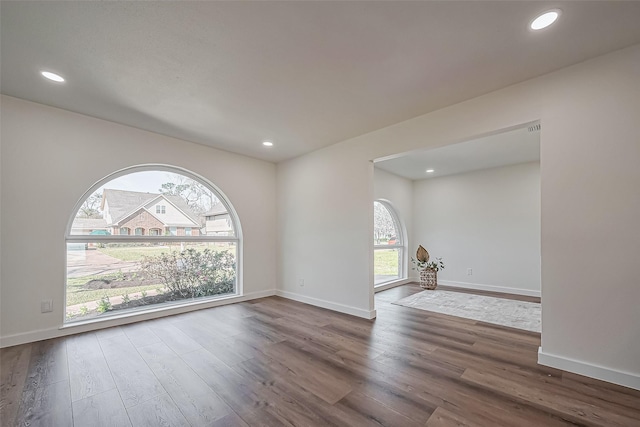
(301, 282)
(46, 306)
(469, 272)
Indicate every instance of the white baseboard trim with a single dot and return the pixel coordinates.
(625, 379)
(79, 327)
(390, 285)
(491, 288)
(32, 336)
(341, 308)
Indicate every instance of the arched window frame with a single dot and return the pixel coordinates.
(233, 218)
(401, 246)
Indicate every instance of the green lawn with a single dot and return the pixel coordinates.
(136, 253)
(77, 295)
(385, 262)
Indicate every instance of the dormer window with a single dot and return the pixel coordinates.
(160, 209)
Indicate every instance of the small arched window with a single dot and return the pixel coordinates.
(388, 243)
(145, 238)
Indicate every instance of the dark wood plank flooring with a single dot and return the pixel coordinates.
(275, 362)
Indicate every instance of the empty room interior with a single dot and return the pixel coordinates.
(319, 213)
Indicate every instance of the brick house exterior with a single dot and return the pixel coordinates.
(146, 222)
(143, 220)
(147, 214)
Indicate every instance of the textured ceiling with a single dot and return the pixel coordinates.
(302, 74)
(502, 149)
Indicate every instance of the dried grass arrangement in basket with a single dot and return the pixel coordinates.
(428, 270)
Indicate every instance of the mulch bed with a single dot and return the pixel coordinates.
(126, 280)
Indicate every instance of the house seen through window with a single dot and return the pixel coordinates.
(149, 238)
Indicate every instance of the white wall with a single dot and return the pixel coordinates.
(332, 254)
(50, 157)
(486, 220)
(398, 191)
(590, 207)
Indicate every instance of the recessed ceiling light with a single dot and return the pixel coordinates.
(430, 170)
(544, 20)
(267, 144)
(52, 76)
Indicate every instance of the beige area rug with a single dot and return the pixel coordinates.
(499, 311)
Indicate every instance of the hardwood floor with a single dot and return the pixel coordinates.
(274, 362)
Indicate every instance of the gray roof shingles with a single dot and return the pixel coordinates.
(218, 209)
(122, 203)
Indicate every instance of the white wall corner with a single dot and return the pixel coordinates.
(626, 379)
(353, 311)
(491, 288)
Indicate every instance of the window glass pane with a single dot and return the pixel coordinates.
(106, 278)
(123, 272)
(389, 258)
(386, 265)
(385, 229)
(153, 200)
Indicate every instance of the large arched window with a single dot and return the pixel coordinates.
(389, 245)
(149, 237)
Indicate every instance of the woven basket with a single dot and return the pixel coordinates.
(428, 278)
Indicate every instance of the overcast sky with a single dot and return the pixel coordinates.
(146, 182)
